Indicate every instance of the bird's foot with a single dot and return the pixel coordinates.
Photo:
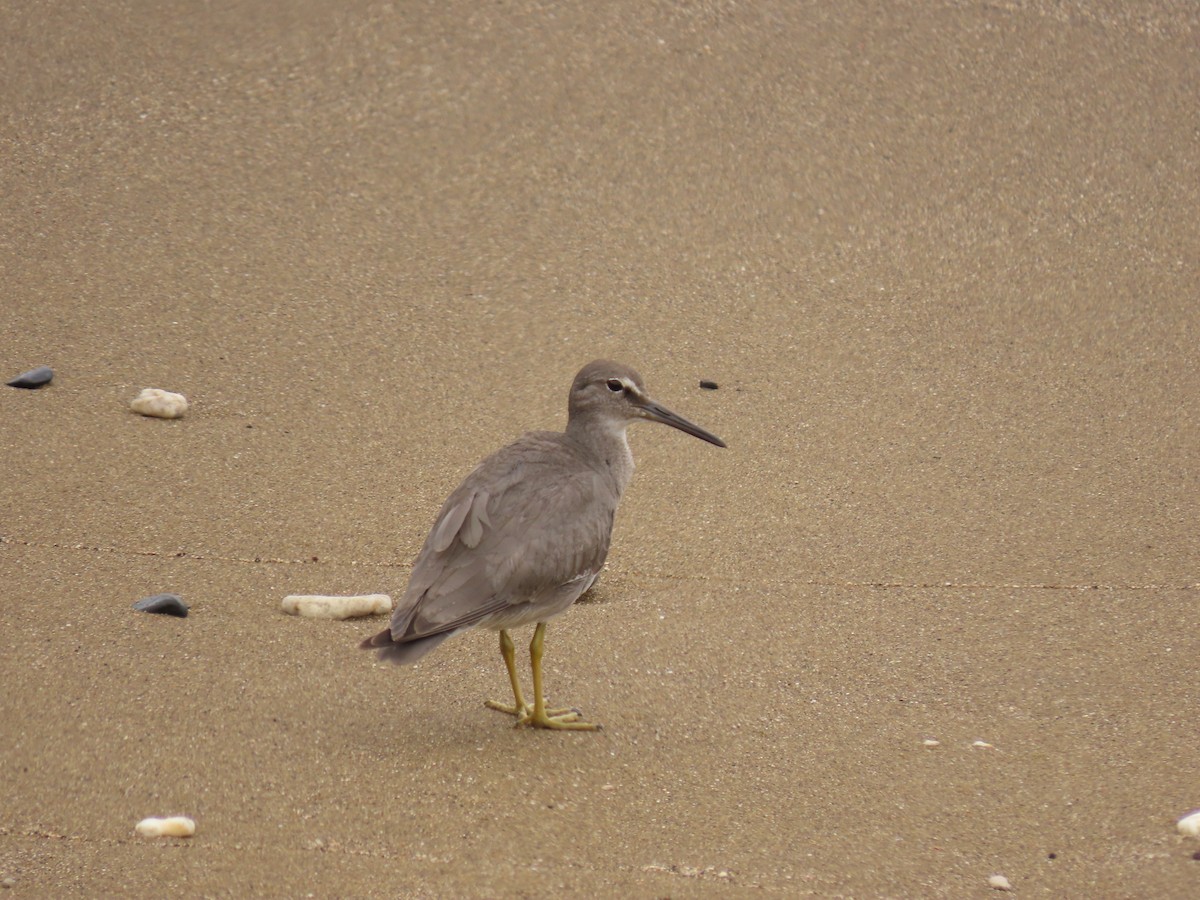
(560, 719)
(526, 711)
(509, 709)
(565, 718)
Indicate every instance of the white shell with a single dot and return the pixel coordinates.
(999, 883)
(159, 403)
(1190, 824)
(930, 742)
(316, 606)
(173, 826)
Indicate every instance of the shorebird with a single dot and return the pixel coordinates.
(527, 533)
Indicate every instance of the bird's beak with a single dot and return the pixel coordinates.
(656, 412)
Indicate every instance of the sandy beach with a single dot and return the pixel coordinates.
(943, 261)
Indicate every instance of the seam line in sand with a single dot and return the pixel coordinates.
(626, 573)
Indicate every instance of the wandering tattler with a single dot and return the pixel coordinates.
(527, 532)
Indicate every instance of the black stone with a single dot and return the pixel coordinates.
(34, 378)
(166, 604)
(709, 385)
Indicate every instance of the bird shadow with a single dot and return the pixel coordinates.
(595, 594)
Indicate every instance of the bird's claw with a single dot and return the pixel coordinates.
(563, 720)
(525, 713)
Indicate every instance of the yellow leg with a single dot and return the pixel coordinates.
(540, 717)
(520, 708)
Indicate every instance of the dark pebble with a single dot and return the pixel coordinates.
(1196, 855)
(34, 378)
(167, 604)
(709, 385)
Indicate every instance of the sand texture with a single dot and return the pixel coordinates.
(943, 260)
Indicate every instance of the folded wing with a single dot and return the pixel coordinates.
(526, 529)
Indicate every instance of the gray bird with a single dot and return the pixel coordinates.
(527, 533)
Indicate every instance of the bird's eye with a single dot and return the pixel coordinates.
(615, 385)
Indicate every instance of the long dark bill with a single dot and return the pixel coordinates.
(655, 412)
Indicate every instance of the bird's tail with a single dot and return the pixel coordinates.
(405, 652)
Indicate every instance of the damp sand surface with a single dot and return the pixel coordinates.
(941, 263)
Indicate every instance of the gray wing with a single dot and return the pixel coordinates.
(529, 520)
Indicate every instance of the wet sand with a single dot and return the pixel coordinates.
(942, 261)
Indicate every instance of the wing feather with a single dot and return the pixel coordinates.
(450, 521)
(476, 519)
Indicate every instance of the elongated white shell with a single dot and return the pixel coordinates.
(317, 606)
(1190, 824)
(159, 403)
(173, 826)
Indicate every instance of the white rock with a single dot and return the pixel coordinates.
(999, 883)
(159, 403)
(931, 743)
(984, 745)
(316, 606)
(1190, 824)
(173, 826)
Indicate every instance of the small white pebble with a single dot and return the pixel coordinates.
(1190, 824)
(159, 403)
(984, 745)
(173, 826)
(999, 883)
(316, 606)
(930, 742)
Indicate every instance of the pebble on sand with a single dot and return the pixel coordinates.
(34, 378)
(1189, 825)
(173, 826)
(159, 403)
(166, 604)
(317, 606)
(708, 385)
(999, 883)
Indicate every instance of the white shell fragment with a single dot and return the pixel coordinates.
(999, 883)
(930, 743)
(159, 403)
(983, 745)
(1190, 824)
(316, 606)
(173, 826)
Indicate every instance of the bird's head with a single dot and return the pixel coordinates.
(610, 393)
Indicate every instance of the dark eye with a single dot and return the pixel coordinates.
(615, 385)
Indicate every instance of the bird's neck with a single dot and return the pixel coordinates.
(605, 441)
